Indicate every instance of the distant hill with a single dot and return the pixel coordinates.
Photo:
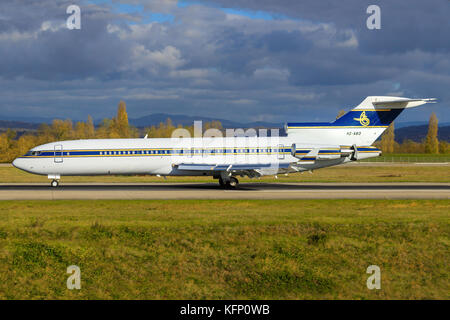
(18, 126)
(35, 120)
(146, 121)
(413, 132)
(418, 133)
(156, 118)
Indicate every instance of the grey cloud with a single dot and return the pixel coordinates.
(406, 25)
(217, 64)
(59, 53)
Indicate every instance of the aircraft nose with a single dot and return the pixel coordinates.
(24, 164)
(18, 163)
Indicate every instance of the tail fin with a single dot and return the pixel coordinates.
(360, 126)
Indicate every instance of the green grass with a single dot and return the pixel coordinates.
(237, 249)
(354, 173)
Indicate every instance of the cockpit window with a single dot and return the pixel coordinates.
(35, 153)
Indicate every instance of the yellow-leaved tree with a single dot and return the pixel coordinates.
(388, 140)
(121, 125)
(431, 141)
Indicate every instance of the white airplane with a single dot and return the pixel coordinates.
(307, 146)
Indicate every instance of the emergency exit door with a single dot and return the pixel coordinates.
(58, 153)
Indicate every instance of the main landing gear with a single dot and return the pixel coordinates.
(232, 182)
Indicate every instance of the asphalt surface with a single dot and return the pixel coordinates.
(39, 191)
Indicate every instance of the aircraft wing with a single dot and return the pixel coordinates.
(252, 170)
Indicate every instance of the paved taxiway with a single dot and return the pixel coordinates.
(39, 191)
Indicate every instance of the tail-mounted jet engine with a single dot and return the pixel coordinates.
(331, 153)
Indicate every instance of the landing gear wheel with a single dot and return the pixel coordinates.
(221, 182)
(233, 182)
(55, 183)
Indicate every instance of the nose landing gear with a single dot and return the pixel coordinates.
(55, 179)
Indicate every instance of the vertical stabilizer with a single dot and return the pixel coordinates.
(360, 126)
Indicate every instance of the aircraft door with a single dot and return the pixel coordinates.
(58, 153)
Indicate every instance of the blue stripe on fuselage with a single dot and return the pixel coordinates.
(355, 118)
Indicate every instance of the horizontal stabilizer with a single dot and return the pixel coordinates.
(377, 102)
(429, 100)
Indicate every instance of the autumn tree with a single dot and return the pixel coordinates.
(410, 146)
(444, 147)
(80, 130)
(121, 125)
(169, 127)
(215, 124)
(7, 146)
(90, 128)
(103, 131)
(388, 140)
(25, 143)
(340, 114)
(431, 141)
(3, 147)
(165, 129)
(59, 130)
(84, 130)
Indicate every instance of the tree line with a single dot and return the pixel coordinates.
(430, 144)
(12, 146)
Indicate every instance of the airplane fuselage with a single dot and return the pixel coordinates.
(161, 156)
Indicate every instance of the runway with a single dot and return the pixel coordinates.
(92, 191)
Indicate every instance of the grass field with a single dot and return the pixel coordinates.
(225, 249)
(353, 173)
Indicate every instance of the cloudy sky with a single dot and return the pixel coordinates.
(243, 60)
